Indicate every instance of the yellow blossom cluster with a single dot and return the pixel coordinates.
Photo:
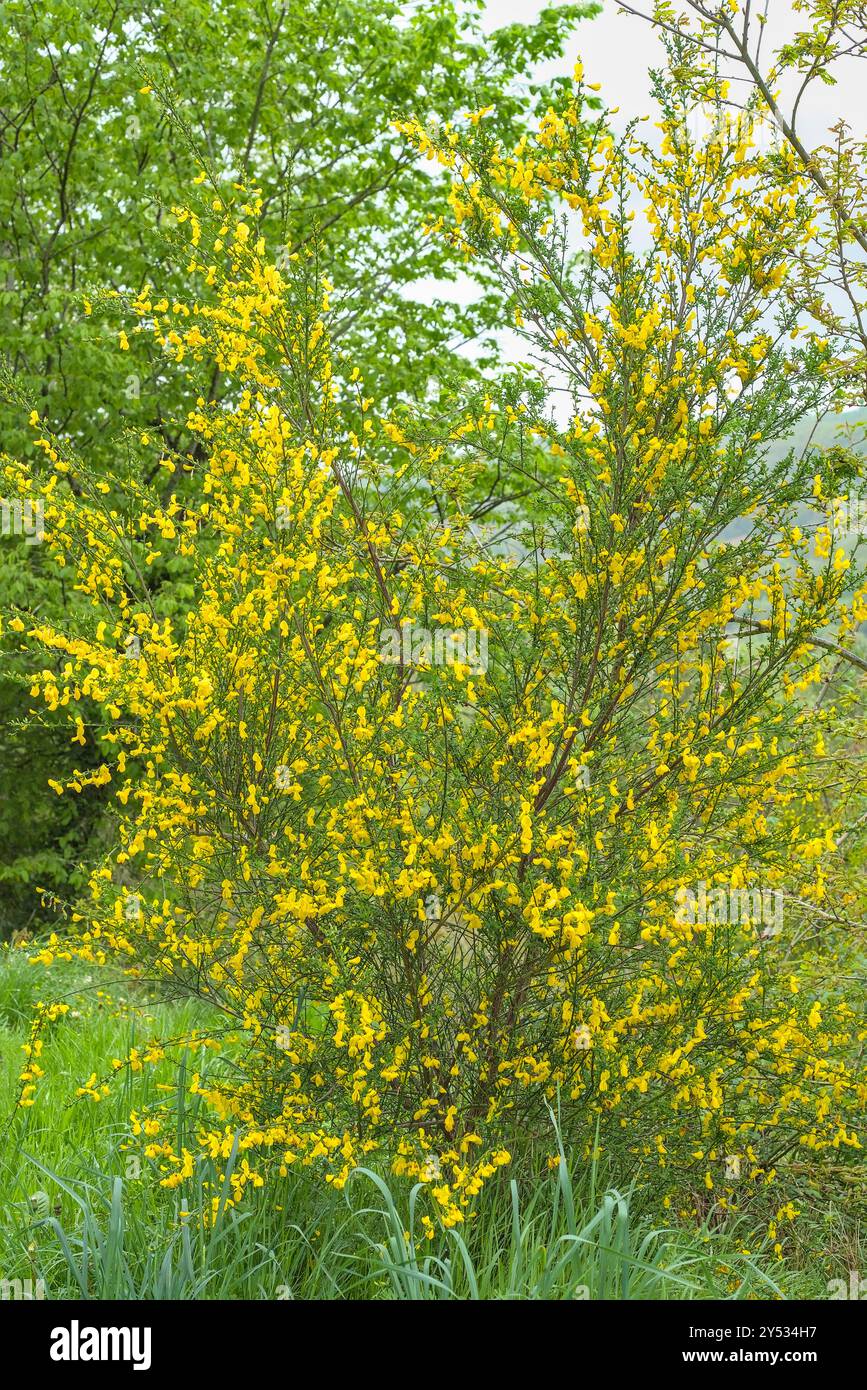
(437, 897)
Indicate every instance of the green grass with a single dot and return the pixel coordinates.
(76, 1215)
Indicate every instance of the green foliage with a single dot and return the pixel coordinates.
(298, 99)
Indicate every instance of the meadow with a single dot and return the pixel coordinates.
(89, 1223)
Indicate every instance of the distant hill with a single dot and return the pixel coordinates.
(849, 428)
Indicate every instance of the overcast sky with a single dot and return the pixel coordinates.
(618, 48)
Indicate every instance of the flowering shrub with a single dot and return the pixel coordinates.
(433, 898)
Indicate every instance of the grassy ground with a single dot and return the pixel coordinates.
(78, 1215)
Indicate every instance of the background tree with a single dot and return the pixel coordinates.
(298, 99)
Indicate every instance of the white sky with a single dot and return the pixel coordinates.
(618, 48)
